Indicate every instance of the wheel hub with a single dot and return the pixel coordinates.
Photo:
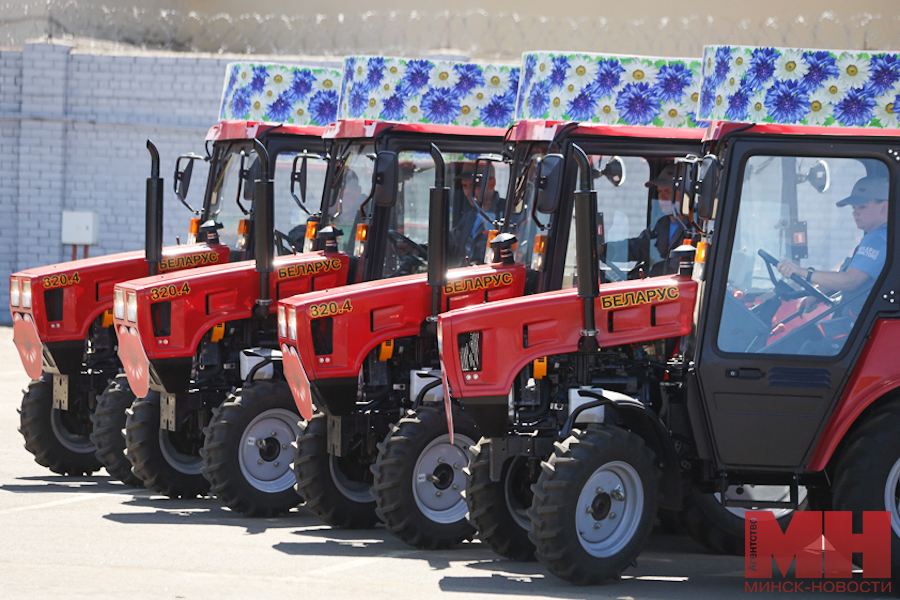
(438, 479)
(265, 451)
(609, 508)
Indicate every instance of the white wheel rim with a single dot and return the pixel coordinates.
(357, 491)
(891, 494)
(265, 452)
(609, 509)
(438, 479)
(516, 509)
(80, 444)
(768, 493)
(183, 463)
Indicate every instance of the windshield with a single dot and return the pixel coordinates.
(290, 219)
(348, 190)
(222, 205)
(818, 219)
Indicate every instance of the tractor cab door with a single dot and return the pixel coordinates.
(773, 353)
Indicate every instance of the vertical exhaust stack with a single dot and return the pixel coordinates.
(438, 227)
(263, 228)
(153, 234)
(587, 264)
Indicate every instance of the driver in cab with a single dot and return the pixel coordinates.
(870, 211)
(667, 234)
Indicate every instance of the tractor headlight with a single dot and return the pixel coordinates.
(14, 292)
(26, 293)
(292, 323)
(282, 322)
(131, 306)
(119, 304)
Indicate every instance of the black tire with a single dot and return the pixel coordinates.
(499, 509)
(867, 477)
(715, 527)
(59, 439)
(335, 503)
(109, 421)
(254, 479)
(155, 456)
(425, 513)
(597, 456)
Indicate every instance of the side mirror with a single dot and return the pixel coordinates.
(682, 186)
(549, 183)
(818, 176)
(708, 175)
(384, 179)
(183, 177)
(614, 171)
(249, 176)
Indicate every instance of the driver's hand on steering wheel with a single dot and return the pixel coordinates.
(787, 269)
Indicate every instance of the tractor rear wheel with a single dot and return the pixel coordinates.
(594, 504)
(867, 477)
(109, 421)
(338, 490)
(59, 439)
(721, 529)
(168, 462)
(499, 509)
(419, 478)
(247, 450)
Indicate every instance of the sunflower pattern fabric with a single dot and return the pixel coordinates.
(609, 89)
(429, 91)
(280, 93)
(840, 88)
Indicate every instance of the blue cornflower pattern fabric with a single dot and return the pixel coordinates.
(429, 91)
(830, 88)
(609, 89)
(280, 93)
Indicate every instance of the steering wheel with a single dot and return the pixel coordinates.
(284, 245)
(812, 290)
(396, 238)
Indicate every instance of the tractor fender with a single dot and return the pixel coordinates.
(643, 422)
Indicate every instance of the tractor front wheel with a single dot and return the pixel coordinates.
(59, 439)
(109, 421)
(247, 450)
(168, 462)
(594, 504)
(499, 509)
(419, 478)
(338, 490)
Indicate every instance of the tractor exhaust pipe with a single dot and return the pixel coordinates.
(153, 219)
(586, 250)
(438, 227)
(263, 229)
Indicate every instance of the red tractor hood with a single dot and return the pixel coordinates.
(366, 314)
(86, 292)
(206, 297)
(627, 312)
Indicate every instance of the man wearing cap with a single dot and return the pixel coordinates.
(870, 211)
(469, 237)
(667, 234)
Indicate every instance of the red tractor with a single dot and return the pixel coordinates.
(62, 314)
(202, 349)
(366, 353)
(780, 374)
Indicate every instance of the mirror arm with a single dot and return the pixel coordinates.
(240, 186)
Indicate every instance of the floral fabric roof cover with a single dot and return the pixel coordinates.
(426, 91)
(797, 86)
(280, 93)
(609, 89)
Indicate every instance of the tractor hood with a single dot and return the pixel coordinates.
(67, 297)
(171, 313)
